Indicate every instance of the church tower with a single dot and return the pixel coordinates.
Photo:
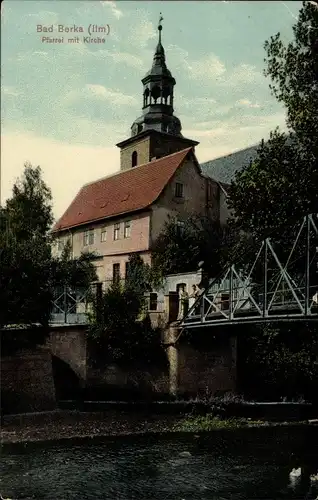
(157, 132)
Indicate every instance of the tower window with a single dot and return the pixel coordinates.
(134, 158)
(146, 97)
(178, 190)
(165, 94)
(155, 93)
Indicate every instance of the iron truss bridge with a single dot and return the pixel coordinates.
(272, 288)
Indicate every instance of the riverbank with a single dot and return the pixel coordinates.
(57, 425)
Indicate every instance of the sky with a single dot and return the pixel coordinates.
(64, 106)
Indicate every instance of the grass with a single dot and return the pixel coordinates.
(209, 423)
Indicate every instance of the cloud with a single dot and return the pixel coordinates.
(141, 30)
(117, 13)
(244, 74)
(115, 97)
(126, 58)
(247, 103)
(207, 67)
(235, 133)
(43, 17)
(211, 67)
(10, 90)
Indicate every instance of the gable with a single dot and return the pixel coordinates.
(127, 191)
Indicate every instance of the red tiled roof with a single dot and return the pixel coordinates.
(126, 191)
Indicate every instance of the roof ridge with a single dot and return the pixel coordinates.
(230, 154)
(135, 168)
(106, 197)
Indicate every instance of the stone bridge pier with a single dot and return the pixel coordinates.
(205, 369)
(68, 344)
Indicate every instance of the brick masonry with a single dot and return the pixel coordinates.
(69, 344)
(27, 383)
(191, 370)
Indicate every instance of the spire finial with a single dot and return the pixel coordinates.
(160, 27)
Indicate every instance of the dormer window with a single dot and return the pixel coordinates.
(178, 190)
(134, 159)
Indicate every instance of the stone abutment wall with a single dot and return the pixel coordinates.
(27, 382)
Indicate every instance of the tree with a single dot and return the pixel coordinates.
(119, 329)
(271, 194)
(141, 277)
(26, 252)
(282, 181)
(279, 362)
(28, 272)
(180, 248)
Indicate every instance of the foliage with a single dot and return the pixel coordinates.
(119, 329)
(282, 181)
(141, 277)
(25, 252)
(280, 362)
(180, 248)
(28, 272)
(73, 271)
(269, 197)
(207, 423)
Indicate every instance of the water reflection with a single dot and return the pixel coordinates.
(221, 466)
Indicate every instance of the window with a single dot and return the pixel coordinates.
(116, 273)
(127, 268)
(89, 237)
(179, 190)
(85, 238)
(103, 234)
(153, 301)
(179, 226)
(116, 231)
(134, 159)
(127, 229)
(225, 301)
(60, 244)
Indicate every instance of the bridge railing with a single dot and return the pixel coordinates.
(269, 287)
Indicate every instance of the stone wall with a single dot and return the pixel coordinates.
(27, 382)
(191, 370)
(114, 381)
(209, 369)
(68, 343)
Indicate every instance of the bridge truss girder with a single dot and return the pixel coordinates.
(280, 294)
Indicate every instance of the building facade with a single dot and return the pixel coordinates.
(159, 177)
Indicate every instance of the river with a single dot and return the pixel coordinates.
(222, 465)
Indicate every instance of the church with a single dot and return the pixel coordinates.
(159, 177)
